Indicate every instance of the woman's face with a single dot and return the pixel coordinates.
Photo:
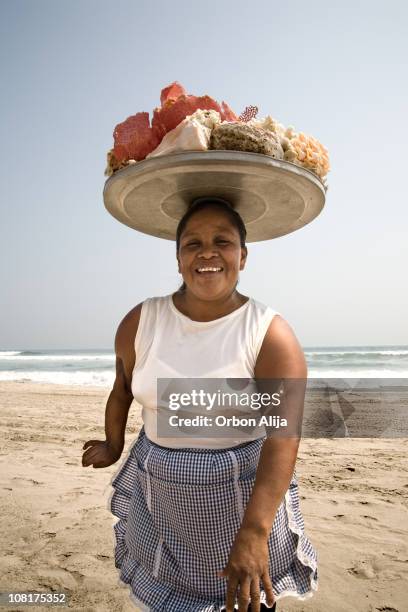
(210, 240)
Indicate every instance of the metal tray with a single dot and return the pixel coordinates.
(273, 197)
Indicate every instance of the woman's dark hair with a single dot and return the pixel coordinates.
(207, 202)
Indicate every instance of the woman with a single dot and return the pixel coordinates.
(217, 523)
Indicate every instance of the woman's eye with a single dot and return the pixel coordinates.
(195, 243)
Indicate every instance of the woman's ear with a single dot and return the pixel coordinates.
(244, 254)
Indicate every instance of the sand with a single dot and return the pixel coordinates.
(57, 532)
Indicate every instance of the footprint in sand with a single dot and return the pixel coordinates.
(362, 569)
(70, 495)
(375, 567)
(34, 482)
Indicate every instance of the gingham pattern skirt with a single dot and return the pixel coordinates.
(179, 511)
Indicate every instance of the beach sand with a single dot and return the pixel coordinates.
(57, 532)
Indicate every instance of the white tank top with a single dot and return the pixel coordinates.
(168, 344)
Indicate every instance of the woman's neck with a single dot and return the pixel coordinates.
(207, 310)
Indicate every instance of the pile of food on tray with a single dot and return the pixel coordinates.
(185, 122)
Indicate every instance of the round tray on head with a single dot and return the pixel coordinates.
(273, 197)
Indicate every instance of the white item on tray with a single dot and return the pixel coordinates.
(192, 134)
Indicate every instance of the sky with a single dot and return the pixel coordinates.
(71, 70)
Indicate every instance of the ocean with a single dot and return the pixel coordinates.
(96, 367)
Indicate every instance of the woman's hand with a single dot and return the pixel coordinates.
(100, 454)
(247, 565)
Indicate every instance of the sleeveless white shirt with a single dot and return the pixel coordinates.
(168, 344)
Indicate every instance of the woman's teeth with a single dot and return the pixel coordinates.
(209, 270)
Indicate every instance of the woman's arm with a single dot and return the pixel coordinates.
(121, 396)
(280, 357)
(117, 409)
(103, 453)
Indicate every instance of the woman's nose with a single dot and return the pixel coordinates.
(207, 251)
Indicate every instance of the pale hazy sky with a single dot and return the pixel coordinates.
(71, 70)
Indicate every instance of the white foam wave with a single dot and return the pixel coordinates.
(356, 373)
(17, 357)
(325, 353)
(98, 378)
(105, 378)
(9, 353)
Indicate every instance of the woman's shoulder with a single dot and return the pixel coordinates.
(133, 316)
(147, 303)
(263, 310)
(154, 300)
(277, 345)
(274, 321)
(128, 327)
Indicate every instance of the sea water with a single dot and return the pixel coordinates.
(96, 367)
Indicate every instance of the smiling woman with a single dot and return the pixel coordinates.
(205, 523)
(224, 235)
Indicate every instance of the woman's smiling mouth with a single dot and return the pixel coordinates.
(208, 270)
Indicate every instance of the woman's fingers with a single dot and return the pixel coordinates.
(88, 459)
(99, 454)
(231, 591)
(249, 592)
(267, 585)
(244, 593)
(90, 455)
(90, 443)
(255, 595)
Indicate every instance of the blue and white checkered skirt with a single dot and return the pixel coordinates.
(179, 511)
